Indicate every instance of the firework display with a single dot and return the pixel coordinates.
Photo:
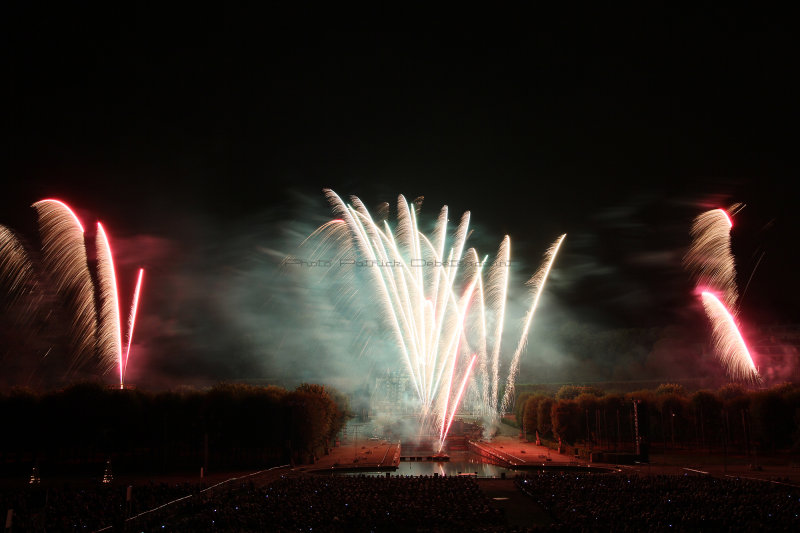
(109, 334)
(434, 298)
(132, 323)
(709, 258)
(64, 258)
(711, 263)
(443, 305)
(728, 341)
(16, 269)
(536, 283)
(89, 291)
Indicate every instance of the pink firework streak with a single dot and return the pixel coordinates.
(728, 340)
(110, 338)
(65, 207)
(727, 217)
(132, 321)
(445, 427)
(458, 400)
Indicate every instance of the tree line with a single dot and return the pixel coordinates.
(227, 426)
(732, 417)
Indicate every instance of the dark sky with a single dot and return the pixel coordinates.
(616, 128)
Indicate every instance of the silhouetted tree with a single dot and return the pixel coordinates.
(531, 412)
(566, 417)
(544, 417)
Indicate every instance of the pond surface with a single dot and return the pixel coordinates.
(451, 468)
(460, 463)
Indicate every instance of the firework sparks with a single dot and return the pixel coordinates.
(16, 270)
(96, 332)
(457, 401)
(728, 342)
(132, 322)
(109, 339)
(709, 258)
(497, 293)
(64, 258)
(536, 283)
(434, 299)
(710, 261)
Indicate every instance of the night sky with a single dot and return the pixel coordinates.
(203, 142)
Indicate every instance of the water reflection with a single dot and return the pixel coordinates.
(451, 468)
(459, 464)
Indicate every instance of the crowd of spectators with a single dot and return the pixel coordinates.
(346, 503)
(85, 508)
(615, 502)
(293, 502)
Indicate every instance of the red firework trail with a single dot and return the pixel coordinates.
(132, 321)
(728, 341)
(111, 327)
(64, 206)
(458, 398)
(727, 217)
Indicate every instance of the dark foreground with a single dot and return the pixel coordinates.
(288, 501)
